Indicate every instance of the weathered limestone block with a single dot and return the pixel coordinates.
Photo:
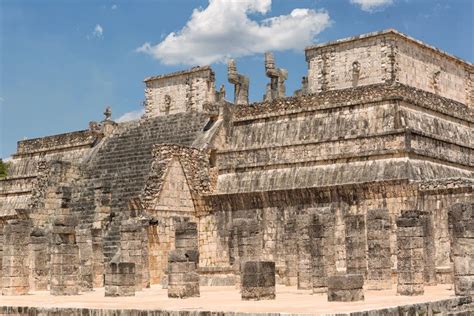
(429, 249)
(323, 252)
(134, 248)
(356, 257)
(64, 257)
(290, 256)
(84, 243)
(461, 224)
(97, 258)
(39, 262)
(186, 236)
(120, 279)
(258, 280)
(345, 288)
(15, 270)
(305, 255)
(378, 256)
(410, 255)
(246, 242)
(183, 280)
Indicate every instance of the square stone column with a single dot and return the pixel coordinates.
(461, 226)
(120, 279)
(134, 248)
(356, 244)
(98, 270)
(429, 248)
(322, 249)
(186, 236)
(15, 269)
(39, 261)
(183, 280)
(379, 273)
(84, 243)
(64, 257)
(345, 288)
(410, 255)
(258, 280)
(305, 257)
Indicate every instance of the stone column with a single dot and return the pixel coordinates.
(247, 243)
(84, 243)
(410, 255)
(379, 274)
(39, 260)
(120, 279)
(345, 288)
(134, 249)
(64, 257)
(291, 256)
(183, 280)
(323, 252)
(356, 244)
(258, 280)
(186, 236)
(15, 276)
(98, 272)
(305, 258)
(429, 248)
(461, 226)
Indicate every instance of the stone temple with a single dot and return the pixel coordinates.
(361, 181)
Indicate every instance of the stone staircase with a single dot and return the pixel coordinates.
(123, 162)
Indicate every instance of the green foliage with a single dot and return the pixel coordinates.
(3, 169)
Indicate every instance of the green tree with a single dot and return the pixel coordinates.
(3, 169)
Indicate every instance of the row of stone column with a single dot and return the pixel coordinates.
(368, 251)
(29, 262)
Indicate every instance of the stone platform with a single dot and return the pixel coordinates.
(289, 301)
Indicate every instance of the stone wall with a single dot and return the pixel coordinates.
(179, 92)
(388, 56)
(58, 143)
(350, 64)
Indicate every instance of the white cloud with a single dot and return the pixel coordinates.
(98, 31)
(372, 5)
(224, 29)
(114, 7)
(131, 116)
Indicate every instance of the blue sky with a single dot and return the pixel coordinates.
(63, 61)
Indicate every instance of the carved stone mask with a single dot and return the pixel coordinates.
(167, 102)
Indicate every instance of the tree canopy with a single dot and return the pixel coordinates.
(3, 169)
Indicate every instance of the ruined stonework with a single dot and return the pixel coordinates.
(120, 279)
(461, 220)
(183, 279)
(134, 244)
(324, 264)
(180, 91)
(317, 184)
(64, 257)
(345, 288)
(410, 255)
(379, 265)
(39, 264)
(15, 268)
(258, 280)
(356, 244)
